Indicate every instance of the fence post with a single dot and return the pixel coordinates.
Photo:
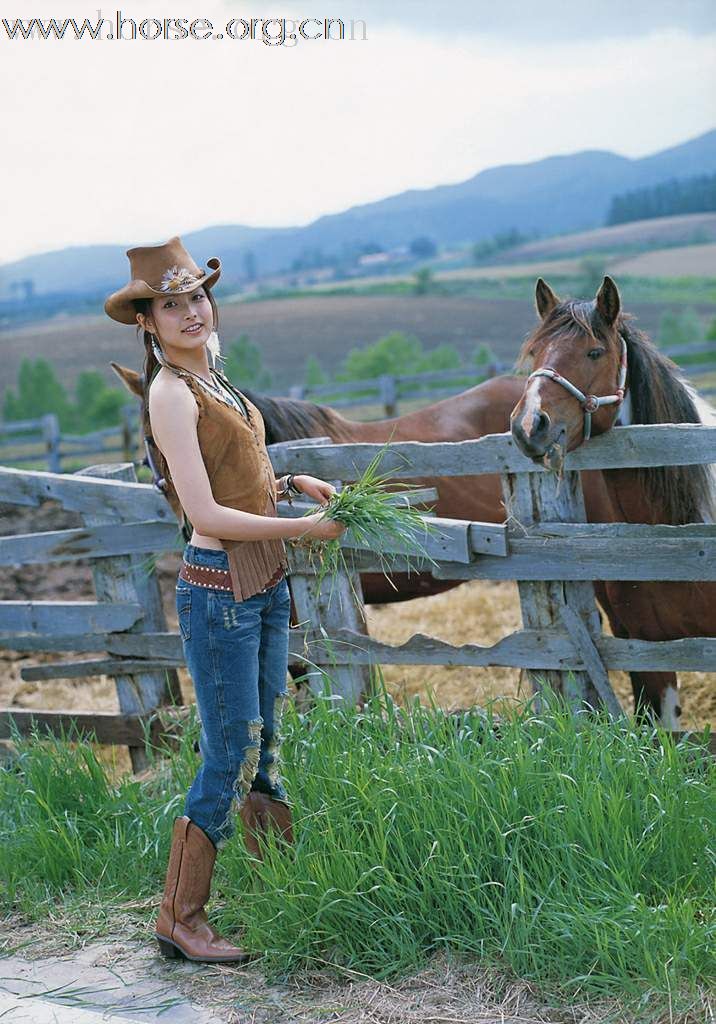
(128, 578)
(389, 395)
(51, 435)
(531, 498)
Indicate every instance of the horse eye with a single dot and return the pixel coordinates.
(595, 353)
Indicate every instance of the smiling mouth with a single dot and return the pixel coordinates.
(194, 329)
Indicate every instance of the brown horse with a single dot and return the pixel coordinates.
(583, 349)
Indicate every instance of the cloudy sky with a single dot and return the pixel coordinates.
(132, 141)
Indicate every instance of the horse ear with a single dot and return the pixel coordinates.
(545, 298)
(608, 301)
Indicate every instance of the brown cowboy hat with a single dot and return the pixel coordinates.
(158, 270)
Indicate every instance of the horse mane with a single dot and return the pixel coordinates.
(291, 419)
(657, 393)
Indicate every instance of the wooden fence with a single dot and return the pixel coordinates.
(545, 545)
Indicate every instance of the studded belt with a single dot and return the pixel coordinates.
(217, 579)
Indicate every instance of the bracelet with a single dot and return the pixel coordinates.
(290, 485)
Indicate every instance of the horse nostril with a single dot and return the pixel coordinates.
(541, 424)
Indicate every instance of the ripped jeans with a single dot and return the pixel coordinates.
(237, 655)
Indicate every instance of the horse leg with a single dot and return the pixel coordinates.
(633, 614)
(656, 698)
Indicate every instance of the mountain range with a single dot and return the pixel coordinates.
(553, 196)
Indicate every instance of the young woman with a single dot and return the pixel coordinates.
(232, 595)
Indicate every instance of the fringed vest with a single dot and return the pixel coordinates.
(242, 477)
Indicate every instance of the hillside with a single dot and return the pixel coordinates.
(556, 195)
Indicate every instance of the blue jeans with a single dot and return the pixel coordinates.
(237, 655)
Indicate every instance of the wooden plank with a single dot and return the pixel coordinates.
(96, 667)
(593, 558)
(488, 539)
(550, 648)
(130, 577)
(49, 618)
(536, 648)
(88, 542)
(123, 730)
(529, 499)
(560, 551)
(534, 560)
(667, 444)
(140, 645)
(126, 501)
(593, 664)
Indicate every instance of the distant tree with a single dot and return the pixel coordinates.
(314, 375)
(680, 327)
(487, 247)
(397, 354)
(483, 355)
(244, 365)
(38, 392)
(96, 404)
(442, 357)
(696, 194)
(711, 332)
(423, 281)
(423, 248)
(105, 410)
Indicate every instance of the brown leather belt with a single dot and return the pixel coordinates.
(217, 579)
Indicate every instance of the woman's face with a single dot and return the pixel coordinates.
(180, 321)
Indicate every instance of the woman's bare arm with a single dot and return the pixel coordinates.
(174, 415)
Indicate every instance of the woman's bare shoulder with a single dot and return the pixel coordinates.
(171, 405)
(167, 388)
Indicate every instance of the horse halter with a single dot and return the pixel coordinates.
(589, 403)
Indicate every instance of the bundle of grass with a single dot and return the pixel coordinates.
(376, 516)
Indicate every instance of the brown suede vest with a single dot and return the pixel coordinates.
(241, 477)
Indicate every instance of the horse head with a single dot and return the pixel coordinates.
(577, 383)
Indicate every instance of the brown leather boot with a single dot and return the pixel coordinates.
(182, 928)
(260, 813)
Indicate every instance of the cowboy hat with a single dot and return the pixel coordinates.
(158, 270)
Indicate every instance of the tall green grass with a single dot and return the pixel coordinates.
(577, 854)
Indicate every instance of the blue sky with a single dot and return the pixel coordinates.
(132, 141)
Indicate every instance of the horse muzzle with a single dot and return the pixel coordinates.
(536, 435)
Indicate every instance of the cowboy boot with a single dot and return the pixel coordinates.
(260, 813)
(182, 928)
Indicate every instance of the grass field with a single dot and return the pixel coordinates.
(577, 858)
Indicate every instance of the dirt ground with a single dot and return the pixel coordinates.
(62, 979)
(475, 612)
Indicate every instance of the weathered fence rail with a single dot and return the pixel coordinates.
(545, 544)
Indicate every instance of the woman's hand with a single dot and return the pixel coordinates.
(321, 528)
(319, 490)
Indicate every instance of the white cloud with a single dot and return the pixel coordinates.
(132, 141)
